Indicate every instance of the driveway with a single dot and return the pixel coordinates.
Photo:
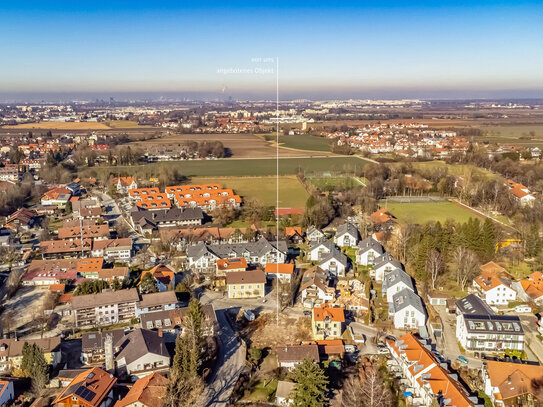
(448, 346)
(230, 364)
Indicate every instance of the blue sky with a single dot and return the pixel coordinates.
(363, 49)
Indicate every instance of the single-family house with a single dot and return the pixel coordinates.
(384, 264)
(407, 310)
(327, 322)
(90, 388)
(394, 282)
(346, 235)
(368, 250)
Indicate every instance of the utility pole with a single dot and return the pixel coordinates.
(277, 191)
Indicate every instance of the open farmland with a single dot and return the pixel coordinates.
(60, 126)
(292, 194)
(231, 167)
(526, 135)
(424, 212)
(237, 145)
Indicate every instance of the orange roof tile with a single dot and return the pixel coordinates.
(281, 268)
(335, 314)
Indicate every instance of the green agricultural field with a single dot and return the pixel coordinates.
(525, 135)
(232, 167)
(424, 212)
(305, 142)
(329, 183)
(292, 194)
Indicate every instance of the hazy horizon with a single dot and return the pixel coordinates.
(370, 49)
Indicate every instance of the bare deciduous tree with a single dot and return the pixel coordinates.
(466, 265)
(435, 266)
(374, 391)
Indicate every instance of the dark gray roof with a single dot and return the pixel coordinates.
(370, 243)
(95, 340)
(229, 250)
(387, 258)
(397, 276)
(325, 242)
(493, 324)
(335, 254)
(176, 317)
(168, 215)
(473, 305)
(348, 228)
(405, 298)
(139, 343)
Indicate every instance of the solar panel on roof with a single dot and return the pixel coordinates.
(85, 393)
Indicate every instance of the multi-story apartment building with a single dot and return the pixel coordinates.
(105, 308)
(479, 329)
(426, 378)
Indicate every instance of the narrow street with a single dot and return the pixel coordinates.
(230, 364)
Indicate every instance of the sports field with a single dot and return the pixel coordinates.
(231, 167)
(329, 183)
(424, 212)
(263, 189)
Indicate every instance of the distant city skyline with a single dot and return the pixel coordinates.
(386, 49)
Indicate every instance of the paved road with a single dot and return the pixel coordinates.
(230, 364)
(448, 347)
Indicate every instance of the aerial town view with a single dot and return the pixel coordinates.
(256, 204)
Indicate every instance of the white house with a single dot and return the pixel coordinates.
(318, 250)
(369, 249)
(346, 235)
(394, 282)
(335, 262)
(494, 290)
(489, 332)
(314, 289)
(124, 184)
(142, 352)
(406, 310)
(282, 270)
(313, 234)
(383, 264)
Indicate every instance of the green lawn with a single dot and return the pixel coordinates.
(424, 212)
(329, 183)
(314, 143)
(263, 189)
(231, 167)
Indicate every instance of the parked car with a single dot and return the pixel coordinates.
(383, 351)
(306, 312)
(462, 359)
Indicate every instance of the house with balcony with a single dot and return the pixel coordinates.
(327, 322)
(368, 250)
(429, 381)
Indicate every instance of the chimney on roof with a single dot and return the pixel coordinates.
(108, 350)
